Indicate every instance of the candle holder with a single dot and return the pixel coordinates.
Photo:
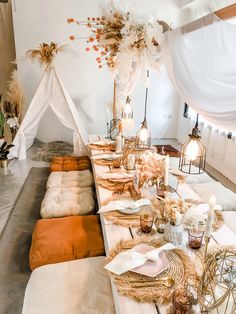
(146, 219)
(182, 301)
(116, 161)
(160, 224)
(195, 239)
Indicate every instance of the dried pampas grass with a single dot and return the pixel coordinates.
(45, 53)
(13, 106)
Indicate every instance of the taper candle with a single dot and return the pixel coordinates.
(210, 216)
(166, 175)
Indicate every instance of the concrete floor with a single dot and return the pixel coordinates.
(11, 182)
(12, 179)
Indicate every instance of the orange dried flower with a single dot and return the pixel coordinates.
(97, 37)
(103, 53)
(70, 20)
(91, 39)
(72, 37)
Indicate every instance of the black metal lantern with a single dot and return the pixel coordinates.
(193, 153)
(143, 136)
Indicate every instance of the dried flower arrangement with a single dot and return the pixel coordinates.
(12, 105)
(150, 168)
(171, 209)
(45, 53)
(117, 33)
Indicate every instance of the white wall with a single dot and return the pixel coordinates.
(91, 88)
(221, 151)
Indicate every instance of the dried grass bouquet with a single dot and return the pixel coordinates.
(45, 53)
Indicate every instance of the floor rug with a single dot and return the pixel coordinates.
(46, 151)
(16, 240)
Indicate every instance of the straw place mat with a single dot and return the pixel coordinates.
(129, 221)
(146, 289)
(116, 185)
(103, 162)
(108, 147)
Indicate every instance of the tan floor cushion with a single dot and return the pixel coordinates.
(58, 240)
(75, 287)
(70, 163)
(61, 202)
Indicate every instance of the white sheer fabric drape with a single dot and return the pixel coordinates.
(201, 64)
(50, 92)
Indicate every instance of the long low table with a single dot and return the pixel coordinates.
(113, 234)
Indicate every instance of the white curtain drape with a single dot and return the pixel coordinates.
(51, 92)
(200, 60)
(7, 44)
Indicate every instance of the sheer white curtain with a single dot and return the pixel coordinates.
(201, 62)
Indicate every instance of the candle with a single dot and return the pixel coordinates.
(210, 216)
(166, 176)
(108, 118)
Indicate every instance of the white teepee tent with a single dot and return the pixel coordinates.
(51, 92)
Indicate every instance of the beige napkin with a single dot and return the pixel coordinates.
(123, 204)
(130, 259)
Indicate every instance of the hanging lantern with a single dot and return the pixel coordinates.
(193, 153)
(114, 129)
(127, 110)
(143, 136)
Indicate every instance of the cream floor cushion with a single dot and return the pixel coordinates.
(230, 220)
(224, 197)
(189, 178)
(75, 287)
(70, 179)
(60, 202)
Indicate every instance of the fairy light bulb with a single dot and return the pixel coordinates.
(128, 108)
(127, 111)
(192, 150)
(144, 134)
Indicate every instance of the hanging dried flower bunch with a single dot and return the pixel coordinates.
(116, 33)
(45, 53)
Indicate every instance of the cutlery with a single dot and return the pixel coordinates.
(167, 282)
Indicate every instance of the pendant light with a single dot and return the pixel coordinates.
(193, 153)
(127, 110)
(143, 136)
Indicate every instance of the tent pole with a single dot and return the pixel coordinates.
(227, 12)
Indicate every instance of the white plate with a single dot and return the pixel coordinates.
(129, 211)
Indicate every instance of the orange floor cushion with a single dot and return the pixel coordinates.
(58, 240)
(70, 163)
